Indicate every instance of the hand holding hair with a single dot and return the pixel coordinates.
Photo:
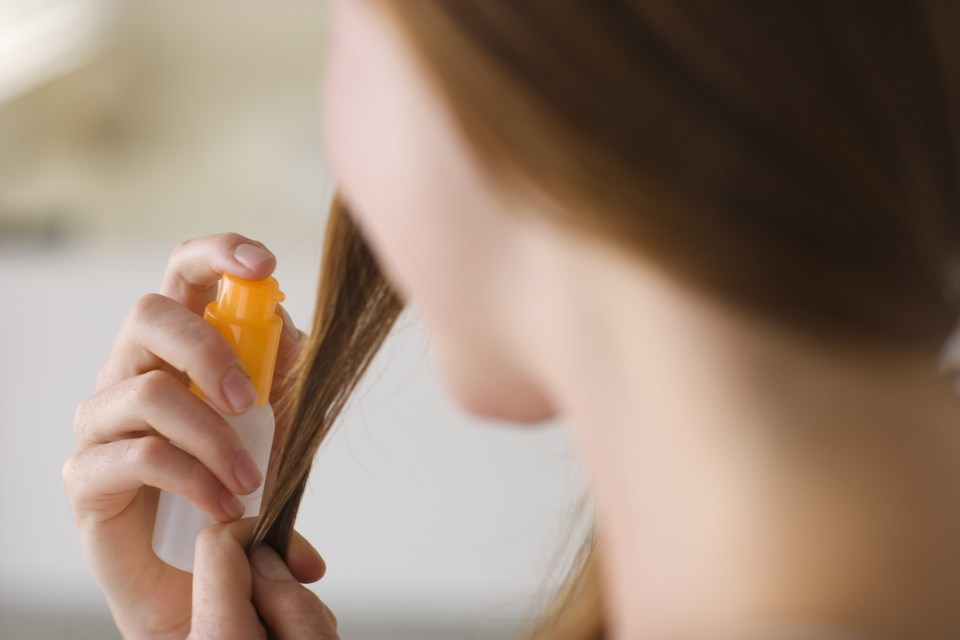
(124, 454)
(239, 597)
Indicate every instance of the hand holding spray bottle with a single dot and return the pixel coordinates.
(245, 313)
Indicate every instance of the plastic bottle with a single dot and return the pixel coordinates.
(245, 313)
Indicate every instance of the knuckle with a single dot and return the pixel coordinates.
(145, 307)
(68, 472)
(151, 386)
(231, 238)
(180, 249)
(80, 419)
(146, 451)
(331, 615)
(103, 376)
(72, 475)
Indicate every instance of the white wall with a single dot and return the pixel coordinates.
(193, 121)
(421, 512)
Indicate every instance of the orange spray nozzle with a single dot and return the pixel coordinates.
(245, 313)
(248, 301)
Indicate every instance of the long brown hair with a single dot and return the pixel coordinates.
(355, 310)
(794, 158)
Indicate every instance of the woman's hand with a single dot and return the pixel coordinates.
(234, 597)
(124, 455)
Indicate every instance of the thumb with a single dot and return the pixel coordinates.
(289, 609)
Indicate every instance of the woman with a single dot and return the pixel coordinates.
(714, 237)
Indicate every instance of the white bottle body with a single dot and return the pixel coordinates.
(179, 523)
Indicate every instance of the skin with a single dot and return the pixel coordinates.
(747, 479)
(749, 482)
(123, 458)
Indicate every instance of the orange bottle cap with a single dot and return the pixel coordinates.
(245, 313)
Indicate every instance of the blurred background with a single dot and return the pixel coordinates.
(126, 127)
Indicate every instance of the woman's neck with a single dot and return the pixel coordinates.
(742, 477)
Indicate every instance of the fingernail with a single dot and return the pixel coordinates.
(246, 471)
(238, 390)
(230, 504)
(288, 325)
(269, 566)
(251, 256)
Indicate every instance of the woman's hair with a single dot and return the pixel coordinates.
(795, 159)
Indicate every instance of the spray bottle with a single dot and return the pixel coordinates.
(245, 313)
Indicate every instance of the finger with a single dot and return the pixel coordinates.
(222, 579)
(304, 560)
(97, 478)
(222, 588)
(159, 332)
(195, 267)
(289, 609)
(156, 402)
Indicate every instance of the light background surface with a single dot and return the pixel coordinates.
(178, 119)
